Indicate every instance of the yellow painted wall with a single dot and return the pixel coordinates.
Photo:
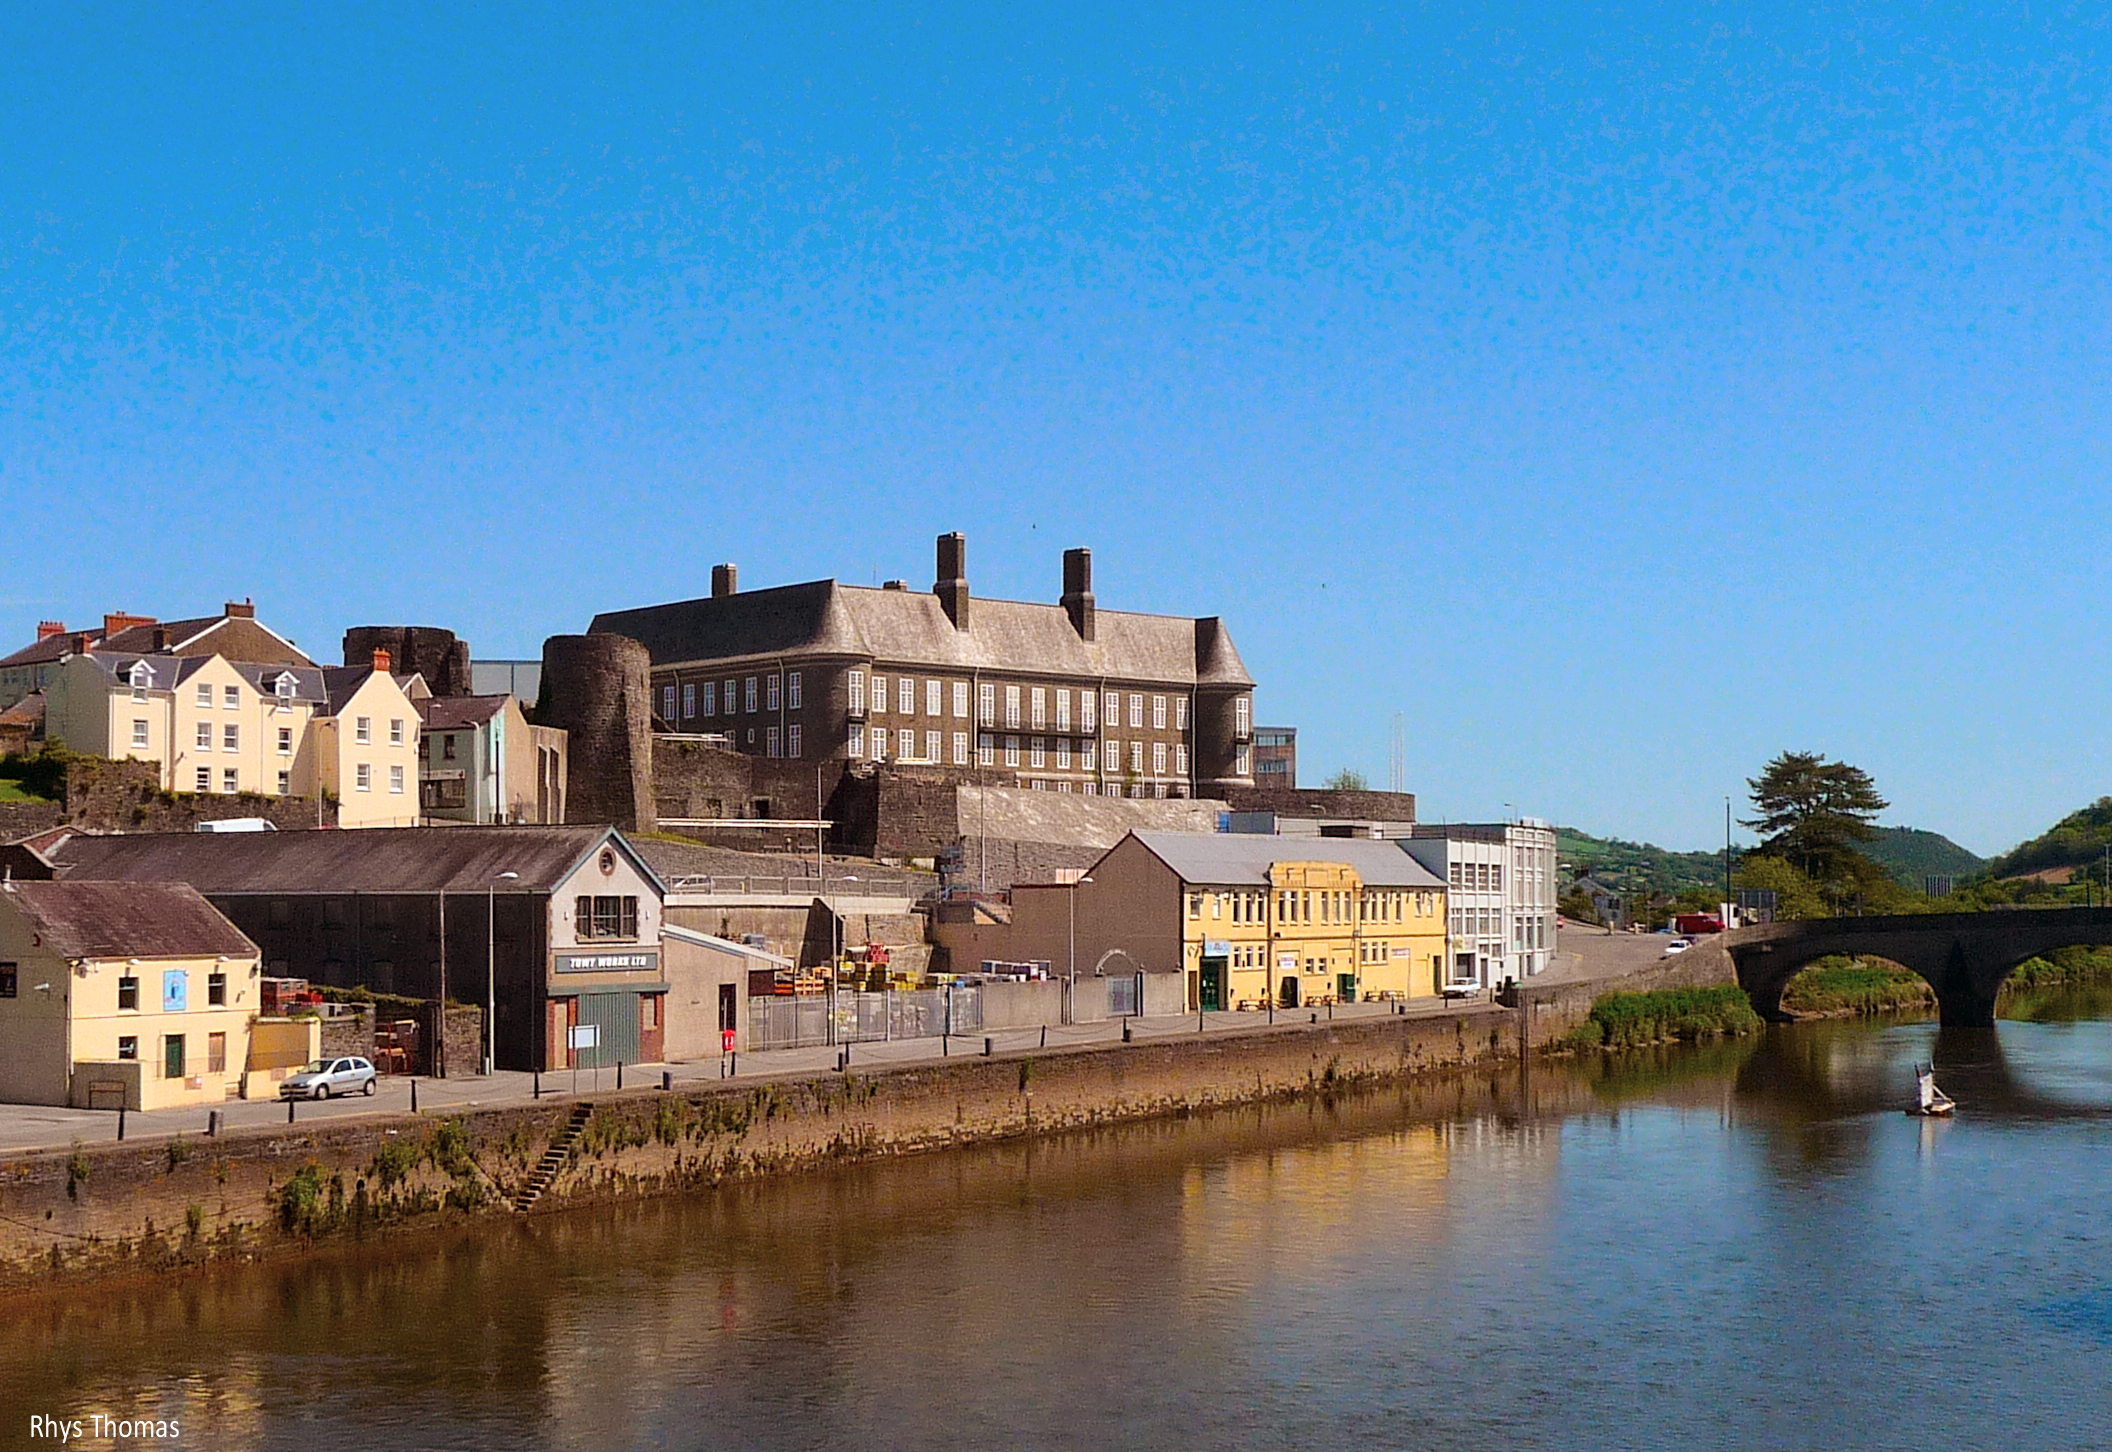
(380, 702)
(65, 1017)
(1316, 922)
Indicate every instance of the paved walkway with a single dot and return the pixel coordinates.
(34, 1127)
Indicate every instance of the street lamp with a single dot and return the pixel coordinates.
(836, 955)
(491, 969)
(1072, 900)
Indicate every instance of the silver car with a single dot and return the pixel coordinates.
(325, 1077)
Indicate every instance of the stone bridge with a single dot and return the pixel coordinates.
(1964, 956)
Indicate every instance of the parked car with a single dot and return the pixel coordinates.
(1678, 945)
(325, 1077)
(1465, 988)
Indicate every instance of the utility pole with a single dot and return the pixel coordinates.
(1727, 854)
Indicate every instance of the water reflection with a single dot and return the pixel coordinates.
(1610, 1253)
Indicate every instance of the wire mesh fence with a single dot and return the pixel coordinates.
(863, 1018)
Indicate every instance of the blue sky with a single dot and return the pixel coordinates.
(1622, 395)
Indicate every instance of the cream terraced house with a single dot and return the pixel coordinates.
(220, 727)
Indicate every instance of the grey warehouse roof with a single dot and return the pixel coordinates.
(375, 859)
(826, 617)
(1241, 860)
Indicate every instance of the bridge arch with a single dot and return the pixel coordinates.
(1964, 956)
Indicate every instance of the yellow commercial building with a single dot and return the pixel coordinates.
(133, 994)
(1250, 919)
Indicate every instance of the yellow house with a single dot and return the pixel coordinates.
(215, 726)
(137, 994)
(1247, 919)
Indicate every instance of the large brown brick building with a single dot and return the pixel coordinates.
(1062, 697)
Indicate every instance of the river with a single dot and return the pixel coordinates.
(1747, 1245)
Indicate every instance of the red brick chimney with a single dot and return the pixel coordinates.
(240, 610)
(381, 662)
(113, 622)
(46, 629)
(81, 641)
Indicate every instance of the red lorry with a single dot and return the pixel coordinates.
(1695, 923)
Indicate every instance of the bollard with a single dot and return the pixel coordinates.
(1315, 1018)
(538, 1083)
(1330, 1013)
(414, 1094)
(289, 1111)
(846, 1056)
(667, 1079)
(943, 1050)
(1044, 1035)
(212, 1124)
(734, 1067)
(986, 1046)
(120, 1123)
(619, 1073)
(1125, 1033)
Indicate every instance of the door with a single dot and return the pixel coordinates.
(1290, 991)
(1346, 987)
(172, 1057)
(729, 1008)
(1213, 999)
(616, 1015)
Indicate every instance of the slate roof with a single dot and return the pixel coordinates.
(26, 712)
(458, 713)
(1240, 860)
(375, 859)
(139, 640)
(826, 617)
(125, 920)
(342, 683)
(171, 671)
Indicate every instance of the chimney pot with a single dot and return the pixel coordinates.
(725, 580)
(46, 629)
(381, 662)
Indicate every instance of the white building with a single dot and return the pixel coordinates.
(1500, 878)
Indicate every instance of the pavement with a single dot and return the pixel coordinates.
(1581, 954)
(33, 1127)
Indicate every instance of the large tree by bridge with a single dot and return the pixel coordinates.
(1812, 811)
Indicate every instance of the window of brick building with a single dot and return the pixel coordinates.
(960, 748)
(1011, 705)
(960, 699)
(905, 743)
(1037, 751)
(857, 739)
(1136, 712)
(792, 693)
(985, 750)
(1063, 710)
(772, 745)
(792, 740)
(987, 704)
(770, 697)
(689, 698)
(906, 696)
(1038, 708)
(879, 694)
(932, 748)
(854, 691)
(934, 698)
(1011, 751)
(748, 693)
(1088, 711)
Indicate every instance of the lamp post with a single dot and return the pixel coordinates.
(491, 969)
(836, 952)
(1072, 901)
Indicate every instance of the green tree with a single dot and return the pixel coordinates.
(1811, 811)
(1348, 779)
(1795, 894)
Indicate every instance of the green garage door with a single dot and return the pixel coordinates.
(616, 1015)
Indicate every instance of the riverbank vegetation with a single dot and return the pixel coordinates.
(1841, 985)
(1624, 1020)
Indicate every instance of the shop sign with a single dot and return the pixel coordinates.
(629, 960)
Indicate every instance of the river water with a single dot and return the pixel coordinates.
(1748, 1245)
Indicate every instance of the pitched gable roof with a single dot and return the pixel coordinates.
(909, 627)
(1239, 859)
(375, 859)
(79, 919)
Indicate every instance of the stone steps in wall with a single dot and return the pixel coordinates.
(554, 1159)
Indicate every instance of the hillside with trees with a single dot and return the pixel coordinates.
(1911, 854)
(2077, 840)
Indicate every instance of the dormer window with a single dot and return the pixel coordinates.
(283, 687)
(141, 677)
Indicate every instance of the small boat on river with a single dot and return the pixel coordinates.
(1934, 1103)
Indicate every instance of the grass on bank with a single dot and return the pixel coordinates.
(1624, 1020)
(1839, 983)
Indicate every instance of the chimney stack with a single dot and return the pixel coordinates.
(114, 621)
(161, 638)
(241, 610)
(81, 641)
(725, 580)
(381, 662)
(952, 584)
(46, 629)
(1078, 591)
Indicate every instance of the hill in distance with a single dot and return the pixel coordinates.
(1909, 854)
(2078, 839)
(1906, 853)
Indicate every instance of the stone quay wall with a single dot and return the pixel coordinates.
(115, 1210)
